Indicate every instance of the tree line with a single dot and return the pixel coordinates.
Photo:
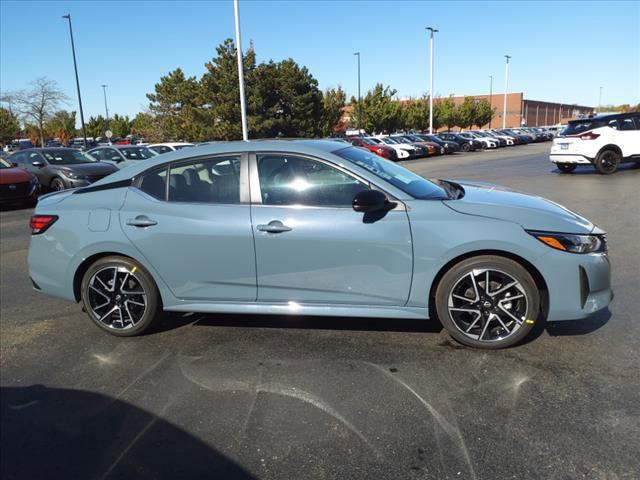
(282, 98)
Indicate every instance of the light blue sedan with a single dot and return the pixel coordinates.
(315, 227)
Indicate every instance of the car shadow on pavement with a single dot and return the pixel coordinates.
(174, 320)
(578, 327)
(63, 433)
(625, 168)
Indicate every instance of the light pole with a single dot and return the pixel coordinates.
(106, 109)
(359, 105)
(243, 112)
(600, 100)
(75, 66)
(432, 30)
(506, 87)
(490, 98)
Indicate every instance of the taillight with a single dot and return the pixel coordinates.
(588, 136)
(40, 223)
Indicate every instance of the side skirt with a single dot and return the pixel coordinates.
(293, 308)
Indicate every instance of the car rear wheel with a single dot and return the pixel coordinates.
(120, 296)
(57, 184)
(607, 162)
(488, 302)
(566, 167)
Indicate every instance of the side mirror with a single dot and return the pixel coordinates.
(37, 163)
(369, 201)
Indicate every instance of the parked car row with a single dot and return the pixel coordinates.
(406, 146)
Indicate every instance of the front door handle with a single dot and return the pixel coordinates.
(274, 226)
(141, 221)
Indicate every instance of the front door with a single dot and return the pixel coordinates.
(312, 247)
(187, 219)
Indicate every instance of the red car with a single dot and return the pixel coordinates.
(382, 150)
(17, 185)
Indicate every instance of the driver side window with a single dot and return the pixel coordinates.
(290, 180)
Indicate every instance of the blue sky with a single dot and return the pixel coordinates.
(562, 51)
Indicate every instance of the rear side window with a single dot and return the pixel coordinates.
(154, 184)
(215, 180)
(626, 124)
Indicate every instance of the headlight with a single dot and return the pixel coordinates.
(73, 175)
(572, 243)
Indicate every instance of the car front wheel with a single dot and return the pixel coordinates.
(566, 167)
(57, 184)
(488, 302)
(120, 296)
(607, 162)
(465, 147)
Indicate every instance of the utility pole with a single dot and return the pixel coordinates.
(243, 111)
(75, 66)
(600, 101)
(359, 99)
(506, 87)
(490, 98)
(106, 109)
(432, 30)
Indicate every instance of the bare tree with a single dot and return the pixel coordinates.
(37, 103)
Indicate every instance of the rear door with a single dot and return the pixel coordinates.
(313, 248)
(191, 221)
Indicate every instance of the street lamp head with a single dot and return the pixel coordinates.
(507, 57)
(357, 53)
(104, 86)
(67, 16)
(432, 30)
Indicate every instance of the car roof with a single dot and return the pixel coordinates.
(299, 146)
(604, 118)
(169, 144)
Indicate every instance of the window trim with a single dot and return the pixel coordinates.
(256, 192)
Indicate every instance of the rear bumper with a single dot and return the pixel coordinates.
(569, 158)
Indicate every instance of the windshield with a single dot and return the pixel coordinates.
(396, 175)
(371, 141)
(66, 157)
(137, 153)
(180, 147)
(4, 163)
(388, 141)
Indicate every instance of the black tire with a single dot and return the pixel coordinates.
(57, 184)
(138, 279)
(607, 162)
(566, 167)
(527, 308)
(465, 147)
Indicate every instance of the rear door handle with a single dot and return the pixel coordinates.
(274, 226)
(141, 221)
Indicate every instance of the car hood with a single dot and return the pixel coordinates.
(530, 211)
(14, 175)
(94, 168)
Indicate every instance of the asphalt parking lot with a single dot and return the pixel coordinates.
(236, 396)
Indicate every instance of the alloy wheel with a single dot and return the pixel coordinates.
(609, 161)
(57, 185)
(487, 305)
(117, 297)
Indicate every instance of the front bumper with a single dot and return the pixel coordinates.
(578, 285)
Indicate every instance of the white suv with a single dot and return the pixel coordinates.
(604, 141)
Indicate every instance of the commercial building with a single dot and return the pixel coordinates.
(530, 113)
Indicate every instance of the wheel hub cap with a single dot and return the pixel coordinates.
(487, 305)
(116, 297)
